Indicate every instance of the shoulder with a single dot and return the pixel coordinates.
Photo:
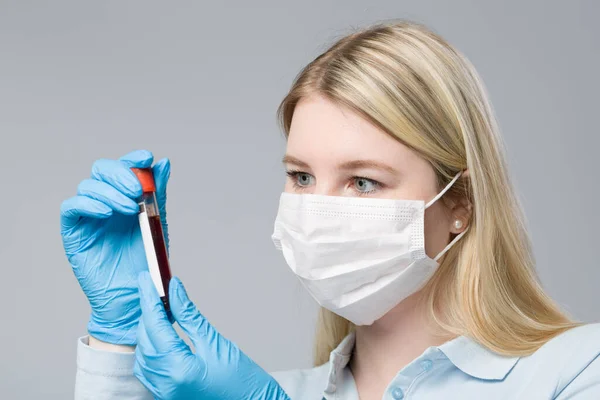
(573, 359)
(309, 382)
(580, 344)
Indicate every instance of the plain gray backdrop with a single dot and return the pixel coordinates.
(199, 82)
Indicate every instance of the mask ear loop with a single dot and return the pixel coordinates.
(456, 239)
(443, 192)
(436, 198)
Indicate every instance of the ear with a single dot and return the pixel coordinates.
(461, 210)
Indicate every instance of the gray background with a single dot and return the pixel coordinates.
(199, 82)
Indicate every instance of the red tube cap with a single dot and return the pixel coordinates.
(146, 178)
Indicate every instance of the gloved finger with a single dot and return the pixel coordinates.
(160, 373)
(162, 172)
(154, 369)
(138, 159)
(80, 206)
(143, 341)
(161, 333)
(144, 353)
(108, 195)
(145, 344)
(193, 323)
(139, 371)
(116, 174)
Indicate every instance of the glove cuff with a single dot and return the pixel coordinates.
(123, 335)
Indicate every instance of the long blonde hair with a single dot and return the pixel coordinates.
(408, 81)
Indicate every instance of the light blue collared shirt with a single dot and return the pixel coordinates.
(567, 367)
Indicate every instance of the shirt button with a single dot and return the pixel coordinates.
(397, 393)
(426, 365)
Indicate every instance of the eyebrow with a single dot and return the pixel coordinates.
(348, 165)
(287, 159)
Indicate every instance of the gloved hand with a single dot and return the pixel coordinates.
(169, 370)
(103, 243)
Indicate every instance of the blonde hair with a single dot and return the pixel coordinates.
(411, 83)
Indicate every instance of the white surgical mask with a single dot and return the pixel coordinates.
(357, 257)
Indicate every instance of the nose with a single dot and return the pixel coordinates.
(328, 188)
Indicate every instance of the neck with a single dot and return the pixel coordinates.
(391, 343)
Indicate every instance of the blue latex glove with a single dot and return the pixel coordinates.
(170, 371)
(103, 243)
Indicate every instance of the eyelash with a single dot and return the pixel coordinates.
(293, 174)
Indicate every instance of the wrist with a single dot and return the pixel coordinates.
(118, 334)
(116, 348)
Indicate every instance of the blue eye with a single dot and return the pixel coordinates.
(304, 179)
(364, 185)
(301, 179)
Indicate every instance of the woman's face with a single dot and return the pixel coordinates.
(333, 151)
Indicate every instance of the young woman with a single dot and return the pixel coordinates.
(399, 218)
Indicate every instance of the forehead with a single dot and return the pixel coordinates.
(322, 130)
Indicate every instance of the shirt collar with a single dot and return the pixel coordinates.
(476, 360)
(465, 354)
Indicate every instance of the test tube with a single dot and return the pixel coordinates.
(153, 236)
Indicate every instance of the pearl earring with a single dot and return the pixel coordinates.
(458, 224)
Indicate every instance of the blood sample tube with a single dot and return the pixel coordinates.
(152, 235)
